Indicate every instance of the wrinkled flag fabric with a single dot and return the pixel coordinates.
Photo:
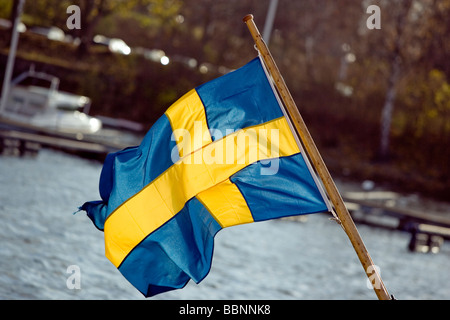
(222, 155)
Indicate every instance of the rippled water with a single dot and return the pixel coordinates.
(40, 238)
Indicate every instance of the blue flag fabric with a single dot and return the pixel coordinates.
(222, 155)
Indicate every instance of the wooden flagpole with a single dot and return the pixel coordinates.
(318, 163)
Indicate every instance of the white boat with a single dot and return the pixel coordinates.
(48, 108)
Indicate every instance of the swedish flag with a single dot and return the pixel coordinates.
(222, 155)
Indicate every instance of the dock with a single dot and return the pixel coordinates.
(31, 143)
(428, 230)
(24, 139)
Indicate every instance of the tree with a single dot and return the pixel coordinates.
(395, 58)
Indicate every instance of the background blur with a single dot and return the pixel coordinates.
(341, 73)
